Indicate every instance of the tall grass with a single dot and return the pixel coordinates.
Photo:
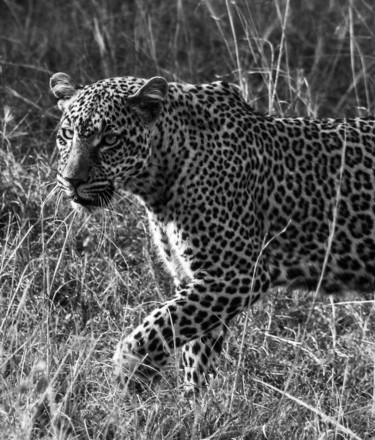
(65, 301)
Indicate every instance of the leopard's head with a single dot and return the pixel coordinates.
(104, 133)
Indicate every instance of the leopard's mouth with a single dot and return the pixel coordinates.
(91, 199)
(99, 200)
(85, 202)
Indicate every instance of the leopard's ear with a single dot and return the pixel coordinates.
(63, 88)
(148, 100)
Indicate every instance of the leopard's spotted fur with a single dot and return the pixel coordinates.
(237, 201)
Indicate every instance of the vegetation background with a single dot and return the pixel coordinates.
(293, 368)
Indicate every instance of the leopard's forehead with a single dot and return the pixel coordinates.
(102, 104)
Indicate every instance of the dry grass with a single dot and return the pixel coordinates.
(306, 370)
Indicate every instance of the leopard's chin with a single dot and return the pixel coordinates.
(83, 208)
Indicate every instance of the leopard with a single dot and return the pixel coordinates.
(238, 202)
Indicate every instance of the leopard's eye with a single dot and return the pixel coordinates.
(110, 139)
(67, 133)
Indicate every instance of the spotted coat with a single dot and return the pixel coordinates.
(237, 201)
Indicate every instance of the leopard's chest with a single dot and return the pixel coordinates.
(175, 250)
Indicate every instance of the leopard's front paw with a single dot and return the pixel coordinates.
(131, 369)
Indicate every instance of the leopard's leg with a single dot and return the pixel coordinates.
(199, 309)
(200, 357)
